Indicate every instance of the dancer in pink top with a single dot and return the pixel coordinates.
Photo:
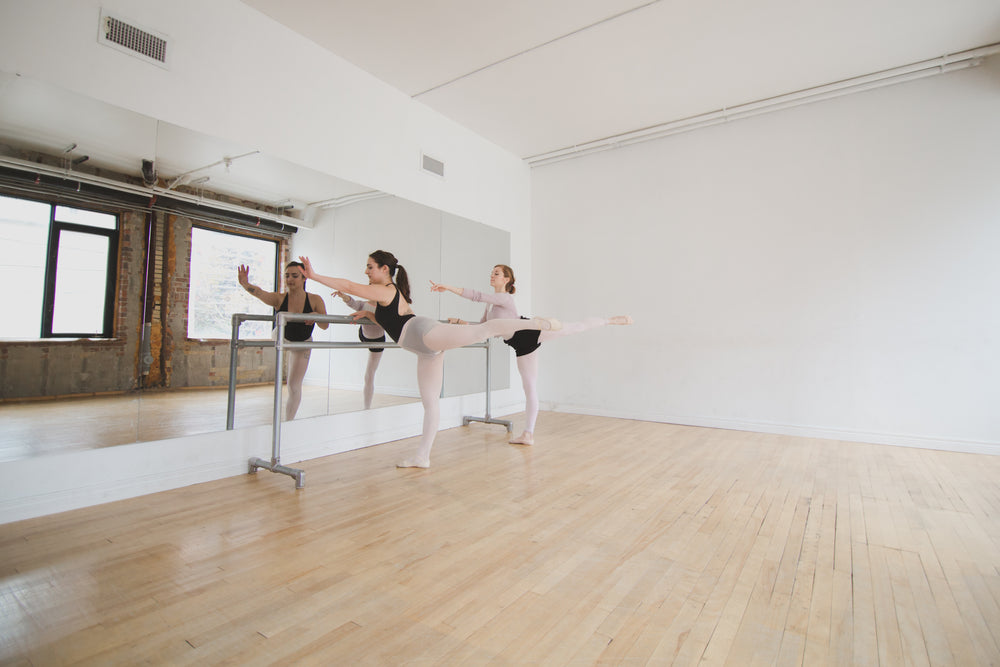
(500, 304)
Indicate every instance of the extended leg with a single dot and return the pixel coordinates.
(450, 336)
(570, 328)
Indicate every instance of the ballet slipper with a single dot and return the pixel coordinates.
(547, 323)
(620, 319)
(414, 463)
(525, 438)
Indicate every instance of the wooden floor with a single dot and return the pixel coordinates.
(610, 542)
(40, 427)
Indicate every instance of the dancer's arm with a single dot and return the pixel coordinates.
(438, 287)
(319, 307)
(356, 304)
(272, 299)
(496, 299)
(383, 294)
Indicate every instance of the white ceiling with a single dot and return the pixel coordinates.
(534, 76)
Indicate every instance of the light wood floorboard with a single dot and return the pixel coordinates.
(609, 542)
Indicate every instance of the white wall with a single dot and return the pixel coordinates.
(237, 75)
(829, 270)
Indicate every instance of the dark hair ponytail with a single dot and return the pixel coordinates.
(508, 273)
(396, 271)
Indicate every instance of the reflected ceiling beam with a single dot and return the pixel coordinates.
(146, 191)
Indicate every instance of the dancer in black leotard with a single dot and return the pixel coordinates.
(295, 300)
(425, 337)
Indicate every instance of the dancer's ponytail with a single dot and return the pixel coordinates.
(403, 282)
(396, 271)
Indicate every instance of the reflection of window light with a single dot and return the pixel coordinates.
(70, 298)
(81, 281)
(214, 291)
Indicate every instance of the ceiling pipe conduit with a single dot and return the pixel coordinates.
(141, 190)
(911, 72)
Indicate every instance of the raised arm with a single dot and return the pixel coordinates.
(272, 299)
(383, 294)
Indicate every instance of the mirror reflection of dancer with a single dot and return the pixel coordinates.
(295, 300)
(368, 332)
(425, 337)
(524, 343)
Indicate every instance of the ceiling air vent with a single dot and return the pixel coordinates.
(431, 165)
(131, 39)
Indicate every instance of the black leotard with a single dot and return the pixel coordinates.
(524, 341)
(389, 318)
(297, 331)
(365, 339)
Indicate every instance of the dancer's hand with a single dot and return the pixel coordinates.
(438, 287)
(307, 269)
(243, 275)
(359, 315)
(455, 320)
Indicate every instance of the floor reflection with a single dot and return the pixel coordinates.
(35, 428)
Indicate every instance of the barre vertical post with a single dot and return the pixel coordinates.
(279, 351)
(233, 350)
(275, 464)
(488, 418)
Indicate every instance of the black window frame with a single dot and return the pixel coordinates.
(56, 227)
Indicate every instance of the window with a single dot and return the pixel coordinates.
(58, 264)
(215, 293)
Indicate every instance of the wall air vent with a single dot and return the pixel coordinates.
(429, 164)
(128, 38)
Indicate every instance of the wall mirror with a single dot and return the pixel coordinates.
(150, 381)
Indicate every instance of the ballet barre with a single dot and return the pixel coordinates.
(280, 345)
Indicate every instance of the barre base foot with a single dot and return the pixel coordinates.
(489, 420)
(299, 475)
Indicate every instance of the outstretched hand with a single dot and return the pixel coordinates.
(307, 269)
(243, 274)
(437, 287)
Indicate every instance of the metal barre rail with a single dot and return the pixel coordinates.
(280, 344)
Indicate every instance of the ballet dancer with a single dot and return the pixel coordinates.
(524, 343)
(425, 337)
(368, 332)
(295, 300)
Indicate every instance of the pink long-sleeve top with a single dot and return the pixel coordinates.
(500, 305)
